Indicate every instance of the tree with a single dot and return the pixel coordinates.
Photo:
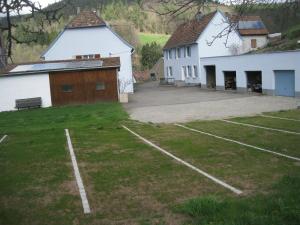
(151, 53)
(13, 20)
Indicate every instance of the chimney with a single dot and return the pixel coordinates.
(78, 10)
(199, 16)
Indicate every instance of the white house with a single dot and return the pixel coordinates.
(253, 32)
(194, 40)
(208, 36)
(88, 36)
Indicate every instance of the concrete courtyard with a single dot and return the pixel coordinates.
(168, 104)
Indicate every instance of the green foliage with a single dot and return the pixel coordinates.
(279, 208)
(292, 33)
(150, 54)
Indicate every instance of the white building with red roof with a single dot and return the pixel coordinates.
(88, 36)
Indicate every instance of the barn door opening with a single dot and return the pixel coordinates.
(254, 81)
(230, 80)
(210, 77)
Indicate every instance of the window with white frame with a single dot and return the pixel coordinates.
(178, 52)
(188, 51)
(195, 71)
(184, 72)
(170, 71)
(189, 68)
(170, 53)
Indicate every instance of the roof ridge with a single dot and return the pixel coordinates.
(86, 18)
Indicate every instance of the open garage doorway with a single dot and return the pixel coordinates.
(210, 77)
(230, 80)
(254, 81)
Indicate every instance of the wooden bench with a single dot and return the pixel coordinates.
(28, 103)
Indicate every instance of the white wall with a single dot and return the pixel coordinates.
(96, 40)
(178, 63)
(20, 87)
(261, 42)
(265, 62)
(219, 46)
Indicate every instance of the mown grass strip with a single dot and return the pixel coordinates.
(3, 138)
(85, 202)
(238, 142)
(280, 118)
(261, 127)
(216, 180)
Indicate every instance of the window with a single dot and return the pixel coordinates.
(100, 86)
(184, 73)
(170, 71)
(178, 53)
(195, 71)
(90, 56)
(188, 51)
(253, 43)
(67, 88)
(170, 54)
(189, 71)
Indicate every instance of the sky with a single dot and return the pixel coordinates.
(43, 3)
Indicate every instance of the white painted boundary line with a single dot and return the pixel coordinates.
(216, 180)
(280, 118)
(261, 127)
(240, 143)
(84, 200)
(2, 139)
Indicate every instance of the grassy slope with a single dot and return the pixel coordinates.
(147, 38)
(129, 182)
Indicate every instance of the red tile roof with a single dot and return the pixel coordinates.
(86, 19)
(249, 32)
(189, 32)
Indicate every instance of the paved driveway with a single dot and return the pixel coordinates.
(157, 104)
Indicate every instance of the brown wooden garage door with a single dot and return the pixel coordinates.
(79, 87)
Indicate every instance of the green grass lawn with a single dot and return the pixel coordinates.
(147, 38)
(129, 182)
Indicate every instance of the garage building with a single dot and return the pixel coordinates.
(273, 73)
(61, 82)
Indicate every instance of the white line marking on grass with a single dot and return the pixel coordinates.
(280, 118)
(240, 143)
(216, 180)
(2, 139)
(84, 200)
(261, 127)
